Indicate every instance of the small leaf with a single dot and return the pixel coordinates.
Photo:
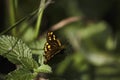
(43, 68)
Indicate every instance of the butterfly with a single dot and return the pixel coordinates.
(52, 46)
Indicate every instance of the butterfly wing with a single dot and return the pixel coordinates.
(52, 46)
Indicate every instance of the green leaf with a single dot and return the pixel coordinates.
(16, 51)
(43, 68)
(29, 63)
(20, 74)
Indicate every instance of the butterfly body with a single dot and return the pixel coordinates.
(52, 46)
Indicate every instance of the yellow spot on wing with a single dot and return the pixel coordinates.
(49, 46)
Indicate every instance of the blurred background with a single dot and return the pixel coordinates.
(89, 30)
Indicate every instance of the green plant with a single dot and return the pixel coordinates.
(17, 51)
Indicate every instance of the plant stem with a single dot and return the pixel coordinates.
(12, 14)
(40, 13)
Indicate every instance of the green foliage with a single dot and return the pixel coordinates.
(92, 54)
(27, 32)
(37, 46)
(43, 68)
(20, 74)
(16, 51)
